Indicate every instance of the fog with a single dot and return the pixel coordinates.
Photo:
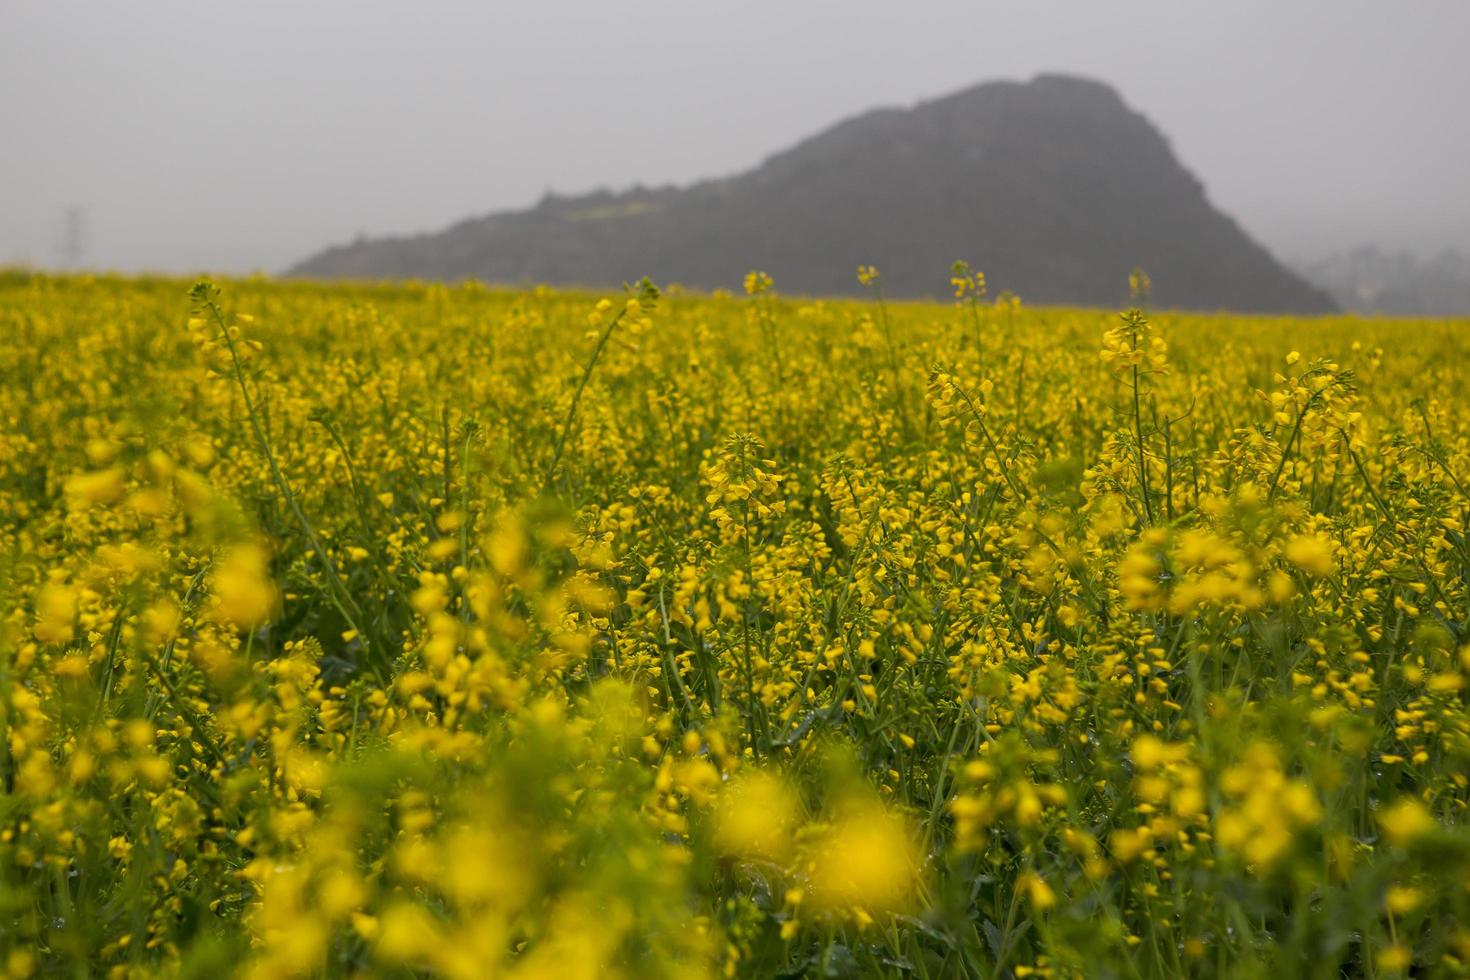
(241, 136)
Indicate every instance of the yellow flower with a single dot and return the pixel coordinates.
(244, 593)
(1395, 959)
(1401, 899)
(406, 934)
(1311, 553)
(101, 487)
(1038, 892)
(867, 859)
(56, 611)
(1405, 821)
(756, 817)
(756, 283)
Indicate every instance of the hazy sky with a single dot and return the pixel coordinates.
(235, 136)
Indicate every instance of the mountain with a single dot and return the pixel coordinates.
(1053, 188)
(1371, 280)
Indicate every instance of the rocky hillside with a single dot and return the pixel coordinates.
(1054, 188)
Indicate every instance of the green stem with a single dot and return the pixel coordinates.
(338, 593)
(566, 423)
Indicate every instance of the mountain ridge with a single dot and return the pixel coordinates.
(1054, 188)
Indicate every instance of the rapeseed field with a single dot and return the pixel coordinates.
(371, 631)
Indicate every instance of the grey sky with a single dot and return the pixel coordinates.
(232, 136)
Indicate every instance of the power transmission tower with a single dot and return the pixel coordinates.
(74, 238)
